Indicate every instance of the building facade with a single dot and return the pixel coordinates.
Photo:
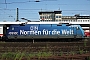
(50, 15)
(69, 19)
(57, 16)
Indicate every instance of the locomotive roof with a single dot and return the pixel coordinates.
(43, 22)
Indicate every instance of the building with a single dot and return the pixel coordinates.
(55, 16)
(68, 19)
(50, 15)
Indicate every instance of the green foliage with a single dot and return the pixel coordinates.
(8, 55)
(17, 55)
(81, 51)
(86, 51)
(44, 54)
(22, 54)
(72, 52)
(61, 53)
(67, 54)
(87, 58)
(85, 43)
(27, 56)
(3, 55)
(31, 55)
(79, 48)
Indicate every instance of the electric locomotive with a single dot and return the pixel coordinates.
(43, 30)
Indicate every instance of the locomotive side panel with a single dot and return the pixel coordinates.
(38, 31)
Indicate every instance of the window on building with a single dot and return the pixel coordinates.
(88, 20)
(42, 17)
(56, 16)
(59, 20)
(78, 20)
(81, 20)
(59, 16)
(85, 20)
(56, 20)
(71, 20)
(49, 17)
(45, 17)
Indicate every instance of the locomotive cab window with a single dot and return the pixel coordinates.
(12, 28)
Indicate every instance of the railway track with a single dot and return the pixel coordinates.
(51, 46)
(56, 48)
(51, 49)
(43, 44)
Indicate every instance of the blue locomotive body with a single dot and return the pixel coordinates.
(39, 31)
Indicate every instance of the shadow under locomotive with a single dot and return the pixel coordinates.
(44, 39)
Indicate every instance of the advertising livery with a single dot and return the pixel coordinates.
(29, 31)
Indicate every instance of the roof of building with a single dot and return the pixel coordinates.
(83, 17)
(49, 12)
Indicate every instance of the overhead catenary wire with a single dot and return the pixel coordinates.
(39, 1)
(27, 1)
(7, 13)
(45, 9)
(39, 9)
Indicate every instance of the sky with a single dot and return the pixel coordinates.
(29, 8)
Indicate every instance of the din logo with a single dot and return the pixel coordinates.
(33, 28)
